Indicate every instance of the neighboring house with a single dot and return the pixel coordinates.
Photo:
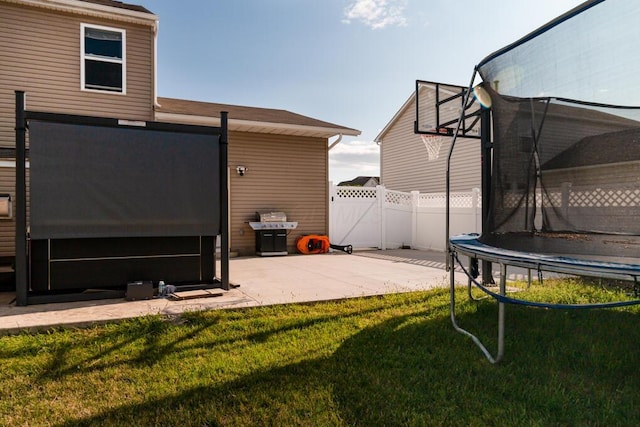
(404, 160)
(578, 144)
(98, 58)
(361, 181)
(609, 159)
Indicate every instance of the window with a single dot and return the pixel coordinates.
(103, 59)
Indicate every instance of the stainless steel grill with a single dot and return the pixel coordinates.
(270, 220)
(271, 232)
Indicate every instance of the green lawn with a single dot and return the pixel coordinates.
(383, 361)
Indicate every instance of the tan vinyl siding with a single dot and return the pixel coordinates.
(285, 173)
(613, 175)
(406, 167)
(8, 226)
(40, 54)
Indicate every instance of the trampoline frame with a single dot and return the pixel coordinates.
(468, 245)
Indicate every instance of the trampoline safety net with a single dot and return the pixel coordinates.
(566, 129)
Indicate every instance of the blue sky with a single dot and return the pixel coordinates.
(349, 62)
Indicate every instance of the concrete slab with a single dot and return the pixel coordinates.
(262, 281)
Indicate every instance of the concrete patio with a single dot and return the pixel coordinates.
(259, 281)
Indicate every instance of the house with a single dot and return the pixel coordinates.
(273, 149)
(98, 58)
(361, 181)
(405, 161)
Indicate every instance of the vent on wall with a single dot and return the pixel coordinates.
(6, 211)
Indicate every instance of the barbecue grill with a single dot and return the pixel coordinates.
(271, 231)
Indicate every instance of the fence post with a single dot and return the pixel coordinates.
(332, 214)
(415, 201)
(566, 197)
(382, 217)
(476, 211)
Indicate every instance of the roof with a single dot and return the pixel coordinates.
(248, 119)
(612, 147)
(119, 5)
(360, 181)
(103, 9)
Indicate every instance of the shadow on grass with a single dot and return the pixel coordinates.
(561, 368)
(143, 342)
(566, 368)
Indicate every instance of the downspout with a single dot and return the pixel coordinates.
(336, 142)
(330, 198)
(156, 28)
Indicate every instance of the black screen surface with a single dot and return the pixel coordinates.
(92, 181)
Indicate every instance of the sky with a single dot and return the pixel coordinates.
(349, 62)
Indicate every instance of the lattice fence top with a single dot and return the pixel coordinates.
(470, 199)
(607, 196)
(457, 200)
(356, 192)
(397, 198)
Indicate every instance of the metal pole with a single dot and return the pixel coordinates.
(448, 178)
(224, 197)
(485, 156)
(21, 202)
(503, 292)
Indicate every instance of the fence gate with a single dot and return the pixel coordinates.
(355, 216)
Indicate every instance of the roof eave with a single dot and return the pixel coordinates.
(257, 126)
(94, 10)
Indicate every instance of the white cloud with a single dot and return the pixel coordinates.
(376, 14)
(350, 159)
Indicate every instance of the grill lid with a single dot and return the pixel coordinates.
(271, 216)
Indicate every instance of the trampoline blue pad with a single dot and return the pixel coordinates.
(601, 266)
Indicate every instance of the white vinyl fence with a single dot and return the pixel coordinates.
(374, 217)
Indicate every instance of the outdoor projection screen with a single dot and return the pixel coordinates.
(98, 181)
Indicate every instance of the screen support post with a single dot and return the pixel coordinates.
(21, 202)
(224, 199)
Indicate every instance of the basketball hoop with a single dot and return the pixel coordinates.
(433, 144)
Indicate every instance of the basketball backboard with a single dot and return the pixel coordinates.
(439, 107)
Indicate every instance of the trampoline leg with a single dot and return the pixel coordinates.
(470, 280)
(452, 310)
(503, 292)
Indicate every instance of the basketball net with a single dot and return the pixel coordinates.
(433, 144)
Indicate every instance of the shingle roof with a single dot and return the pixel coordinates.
(119, 5)
(249, 114)
(613, 147)
(359, 181)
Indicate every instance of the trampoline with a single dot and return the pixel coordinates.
(560, 142)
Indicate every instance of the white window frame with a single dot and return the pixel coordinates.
(122, 61)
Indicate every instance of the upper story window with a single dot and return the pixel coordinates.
(103, 58)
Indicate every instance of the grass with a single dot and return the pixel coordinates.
(384, 361)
